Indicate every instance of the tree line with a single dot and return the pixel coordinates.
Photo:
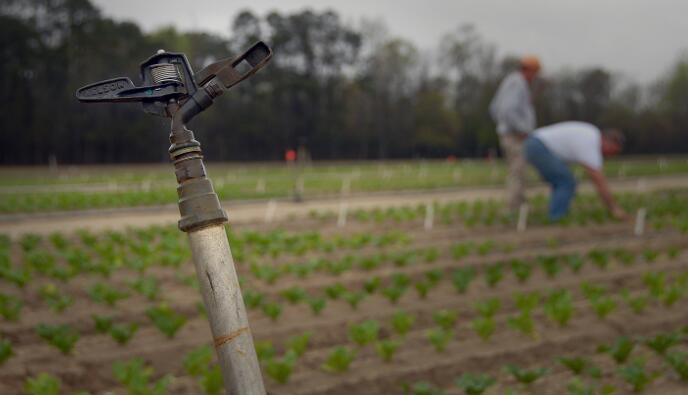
(343, 91)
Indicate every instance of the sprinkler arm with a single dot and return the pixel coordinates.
(220, 76)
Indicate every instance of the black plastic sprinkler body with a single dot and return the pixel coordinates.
(171, 89)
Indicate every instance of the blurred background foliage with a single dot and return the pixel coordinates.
(346, 92)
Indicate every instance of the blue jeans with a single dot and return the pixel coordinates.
(555, 172)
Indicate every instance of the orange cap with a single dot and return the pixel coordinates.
(530, 62)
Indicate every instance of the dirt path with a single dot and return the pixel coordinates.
(254, 211)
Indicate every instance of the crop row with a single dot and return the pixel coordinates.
(278, 181)
(588, 377)
(557, 306)
(424, 282)
(665, 208)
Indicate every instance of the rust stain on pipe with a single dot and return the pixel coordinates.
(221, 340)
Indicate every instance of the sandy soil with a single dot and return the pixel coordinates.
(90, 365)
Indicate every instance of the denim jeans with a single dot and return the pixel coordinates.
(556, 173)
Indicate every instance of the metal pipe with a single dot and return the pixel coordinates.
(226, 312)
(203, 219)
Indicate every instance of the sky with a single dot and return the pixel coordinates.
(639, 38)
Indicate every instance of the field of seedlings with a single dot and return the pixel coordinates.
(438, 298)
(68, 188)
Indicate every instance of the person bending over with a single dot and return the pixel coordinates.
(550, 149)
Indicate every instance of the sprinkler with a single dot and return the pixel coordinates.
(171, 89)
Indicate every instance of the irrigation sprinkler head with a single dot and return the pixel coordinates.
(167, 78)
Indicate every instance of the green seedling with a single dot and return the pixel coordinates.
(434, 276)
(430, 254)
(295, 295)
(354, 298)
(253, 299)
(494, 274)
(603, 306)
(335, 291)
(620, 350)
(400, 280)
(105, 294)
(484, 327)
(662, 342)
(280, 369)
(198, 360)
(393, 293)
(57, 300)
(445, 319)
(474, 384)
(123, 333)
(264, 350)
(625, 257)
(372, 284)
(10, 307)
(272, 310)
(165, 319)
(402, 322)
(461, 278)
(655, 282)
(638, 303)
(339, 360)
(423, 287)
(634, 374)
(439, 338)
(5, 350)
(299, 344)
(599, 258)
(317, 305)
(147, 286)
(579, 366)
(421, 388)
(577, 387)
(671, 295)
(522, 270)
(527, 302)
(386, 349)
(559, 307)
(211, 381)
(364, 333)
(43, 384)
(523, 322)
(102, 323)
(678, 361)
(62, 337)
(575, 262)
(488, 307)
(550, 264)
(136, 376)
(460, 251)
(525, 376)
(650, 255)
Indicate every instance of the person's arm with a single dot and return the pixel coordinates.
(602, 187)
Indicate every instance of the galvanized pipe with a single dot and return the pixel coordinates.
(226, 312)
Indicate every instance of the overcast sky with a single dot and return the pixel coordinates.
(640, 38)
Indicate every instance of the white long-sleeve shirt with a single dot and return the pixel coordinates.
(512, 108)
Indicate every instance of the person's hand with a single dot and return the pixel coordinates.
(618, 213)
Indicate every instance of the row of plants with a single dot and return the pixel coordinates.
(398, 284)
(587, 376)
(665, 208)
(135, 188)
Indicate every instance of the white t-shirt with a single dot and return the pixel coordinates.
(572, 141)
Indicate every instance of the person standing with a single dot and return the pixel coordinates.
(512, 110)
(551, 148)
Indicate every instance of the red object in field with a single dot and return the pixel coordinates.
(451, 158)
(290, 155)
